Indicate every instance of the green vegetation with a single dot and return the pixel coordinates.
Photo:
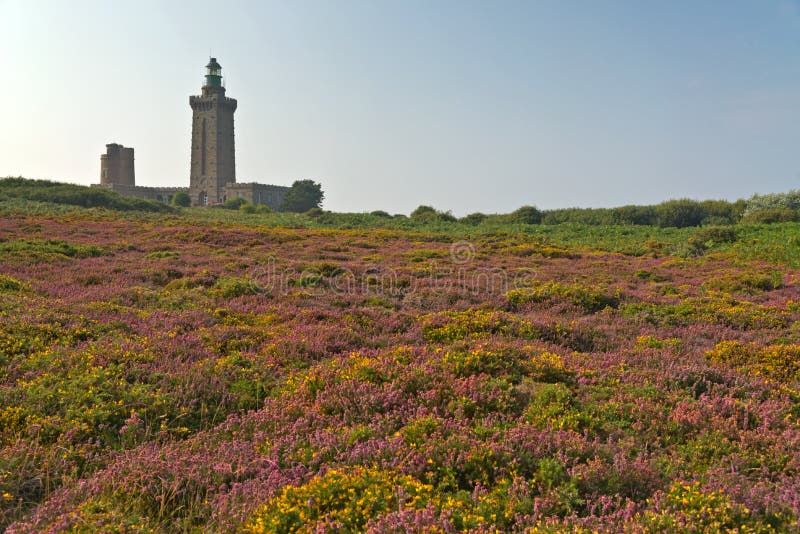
(767, 235)
(226, 370)
(74, 195)
(181, 199)
(303, 196)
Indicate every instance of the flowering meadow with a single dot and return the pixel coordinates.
(173, 373)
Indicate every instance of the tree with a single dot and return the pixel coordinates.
(302, 196)
(680, 213)
(526, 215)
(473, 218)
(424, 212)
(427, 214)
(181, 199)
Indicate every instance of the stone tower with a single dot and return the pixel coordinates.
(116, 166)
(213, 154)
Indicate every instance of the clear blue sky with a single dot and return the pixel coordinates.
(464, 105)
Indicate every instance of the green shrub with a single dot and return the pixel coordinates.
(770, 216)
(181, 199)
(347, 498)
(427, 214)
(774, 201)
(716, 234)
(52, 246)
(525, 215)
(234, 203)
(8, 283)
(423, 212)
(315, 212)
(75, 195)
(473, 219)
(680, 213)
(230, 287)
(589, 298)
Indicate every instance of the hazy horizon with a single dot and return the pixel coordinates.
(466, 106)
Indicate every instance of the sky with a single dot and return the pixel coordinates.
(463, 105)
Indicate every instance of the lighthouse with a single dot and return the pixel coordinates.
(213, 161)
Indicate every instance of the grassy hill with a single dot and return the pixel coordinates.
(199, 370)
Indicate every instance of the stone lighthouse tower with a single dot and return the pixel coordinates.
(213, 154)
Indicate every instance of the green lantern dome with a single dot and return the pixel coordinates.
(214, 73)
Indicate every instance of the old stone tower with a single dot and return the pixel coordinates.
(116, 166)
(212, 175)
(213, 163)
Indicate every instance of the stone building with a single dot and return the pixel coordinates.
(117, 173)
(116, 166)
(212, 169)
(213, 162)
(269, 195)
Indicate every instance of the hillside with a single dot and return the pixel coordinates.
(212, 370)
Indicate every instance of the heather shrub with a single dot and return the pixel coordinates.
(147, 388)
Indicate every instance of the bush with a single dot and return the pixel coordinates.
(774, 201)
(181, 199)
(525, 215)
(315, 213)
(380, 213)
(231, 287)
(680, 213)
(75, 195)
(348, 498)
(473, 218)
(8, 283)
(427, 214)
(424, 213)
(234, 203)
(51, 246)
(770, 216)
(716, 234)
(591, 299)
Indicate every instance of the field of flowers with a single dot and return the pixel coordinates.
(176, 374)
